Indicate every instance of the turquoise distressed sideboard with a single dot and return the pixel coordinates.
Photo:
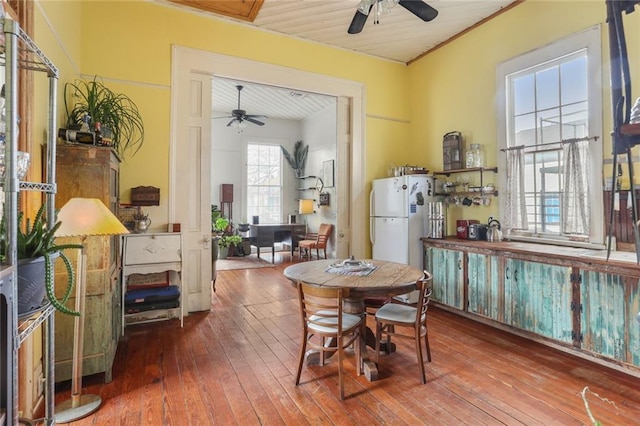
(569, 298)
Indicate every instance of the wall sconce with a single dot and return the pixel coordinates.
(323, 199)
(306, 206)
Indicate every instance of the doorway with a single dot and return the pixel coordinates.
(190, 187)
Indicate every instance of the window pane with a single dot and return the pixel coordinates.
(575, 121)
(525, 130)
(573, 80)
(549, 126)
(548, 88)
(523, 95)
(264, 182)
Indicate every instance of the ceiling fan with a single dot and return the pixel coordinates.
(417, 7)
(240, 116)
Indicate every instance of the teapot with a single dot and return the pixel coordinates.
(494, 234)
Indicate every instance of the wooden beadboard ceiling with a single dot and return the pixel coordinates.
(245, 10)
(399, 35)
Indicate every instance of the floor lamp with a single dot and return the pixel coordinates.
(82, 217)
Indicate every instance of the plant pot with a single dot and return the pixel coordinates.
(223, 253)
(31, 285)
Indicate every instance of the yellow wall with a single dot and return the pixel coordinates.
(455, 86)
(409, 109)
(129, 45)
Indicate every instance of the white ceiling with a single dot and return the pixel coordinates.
(259, 99)
(400, 36)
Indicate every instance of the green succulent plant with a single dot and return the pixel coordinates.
(37, 239)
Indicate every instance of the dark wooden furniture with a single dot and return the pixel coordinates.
(389, 279)
(266, 235)
(92, 172)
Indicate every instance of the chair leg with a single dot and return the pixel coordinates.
(426, 343)
(340, 372)
(423, 378)
(303, 349)
(378, 338)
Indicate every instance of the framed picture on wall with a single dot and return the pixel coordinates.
(327, 173)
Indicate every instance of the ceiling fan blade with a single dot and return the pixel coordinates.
(232, 120)
(358, 21)
(254, 121)
(223, 116)
(420, 9)
(247, 116)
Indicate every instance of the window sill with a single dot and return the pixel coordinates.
(563, 243)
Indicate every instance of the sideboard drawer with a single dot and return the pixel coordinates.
(153, 248)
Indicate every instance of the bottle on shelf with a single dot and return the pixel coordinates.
(98, 133)
(77, 136)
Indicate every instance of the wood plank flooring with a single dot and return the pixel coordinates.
(237, 365)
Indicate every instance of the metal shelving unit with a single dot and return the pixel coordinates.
(19, 52)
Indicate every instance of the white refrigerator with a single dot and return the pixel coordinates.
(398, 207)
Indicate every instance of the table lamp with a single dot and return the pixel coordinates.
(82, 217)
(305, 206)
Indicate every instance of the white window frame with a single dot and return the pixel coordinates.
(272, 143)
(590, 40)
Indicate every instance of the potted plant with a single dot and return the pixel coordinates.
(115, 112)
(225, 238)
(299, 158)
(36, 251)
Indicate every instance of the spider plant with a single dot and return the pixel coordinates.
(115, 112)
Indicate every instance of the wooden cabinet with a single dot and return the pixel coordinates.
(484, 291)
(92, 172)
(538, 298)
(608, 307)
(446, 267)
(563, 296)
(152, 253)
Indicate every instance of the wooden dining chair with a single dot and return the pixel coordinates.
(393, 315)
(316, 241)
(323, 318)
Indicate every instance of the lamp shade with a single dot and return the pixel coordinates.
(88, 216)
(305, 207)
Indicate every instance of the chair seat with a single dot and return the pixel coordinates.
(307, 244)
(397, 313)
(348, 321)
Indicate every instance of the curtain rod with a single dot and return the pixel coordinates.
(563, 141)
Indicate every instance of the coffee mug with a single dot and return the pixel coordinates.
(477, 201)
(467, 201)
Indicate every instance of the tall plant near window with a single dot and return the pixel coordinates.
(298, 160)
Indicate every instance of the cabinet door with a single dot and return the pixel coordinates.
(483, 290)
(610, 304)
(448, 279)
(538, 298)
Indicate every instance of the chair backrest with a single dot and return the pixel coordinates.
(320, 303)
(323, 234)
(425, 286)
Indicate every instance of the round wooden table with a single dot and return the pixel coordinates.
(388, 279)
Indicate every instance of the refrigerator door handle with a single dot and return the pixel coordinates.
(372, 230)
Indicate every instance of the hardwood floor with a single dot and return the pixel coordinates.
(237, 365)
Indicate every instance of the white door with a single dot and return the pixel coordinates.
(389, 237)
(343, 181)
(191, 184)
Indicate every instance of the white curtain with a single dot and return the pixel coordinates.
(575, 211)
(515, 209)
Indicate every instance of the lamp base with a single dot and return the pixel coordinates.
(65, 412)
